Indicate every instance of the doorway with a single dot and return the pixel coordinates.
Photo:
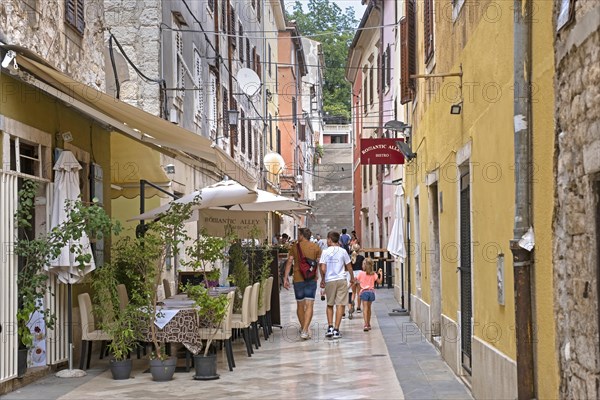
(466, 295)
(435, 267)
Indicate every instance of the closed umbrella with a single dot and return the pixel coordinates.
(396, 245)
(67, 269)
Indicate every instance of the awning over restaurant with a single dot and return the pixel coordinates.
(156, 132)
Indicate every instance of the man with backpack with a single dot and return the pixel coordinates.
(345, 241)
(304, 289)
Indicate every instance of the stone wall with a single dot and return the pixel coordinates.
(135, 24)
(577, 171)
(39, 26)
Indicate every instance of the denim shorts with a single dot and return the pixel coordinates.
(305, 290)
(367, 295)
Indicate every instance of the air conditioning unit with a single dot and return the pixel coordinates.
(298, 179)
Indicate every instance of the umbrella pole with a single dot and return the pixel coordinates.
(71, 372)
(70, 322)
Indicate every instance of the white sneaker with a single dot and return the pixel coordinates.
(305, 336)
(329, 333)
(336, 334)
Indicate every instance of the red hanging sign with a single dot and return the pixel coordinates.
(380, 151)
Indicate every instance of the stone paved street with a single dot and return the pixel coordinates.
(384, 363)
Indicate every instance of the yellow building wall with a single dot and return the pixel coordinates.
(484, 48)
(30, 106)
(547, 375)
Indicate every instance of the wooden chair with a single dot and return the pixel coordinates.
(123, 296)
(89, 333)
(262, 310)
(268, 304)
(167, 288)
(243, 321)
(223, 333)
(254, 312)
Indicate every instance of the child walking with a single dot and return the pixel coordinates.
(366, 279)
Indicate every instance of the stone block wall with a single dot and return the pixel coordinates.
(39, 26)
(575, 252)
(135, 24)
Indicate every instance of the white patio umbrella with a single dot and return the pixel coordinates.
(267, 201)
(222, 194)
(396, 245)
(66, 188)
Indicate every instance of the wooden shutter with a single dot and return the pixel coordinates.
(80, 17)
(243, 132)
(248, 53)
(428, 28)
(388, 66)
(225, 113)
(70, 6)
(224, 15)
(408, 53)
(241, 43)
(250, 134)
(234, 128)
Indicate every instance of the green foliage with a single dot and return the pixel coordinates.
(265, 271)
(240, 276)
(211, 309)
(324, 16)
(121, 325)
(37, 252)
(203, 253)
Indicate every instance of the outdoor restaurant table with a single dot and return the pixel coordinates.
(181, 324)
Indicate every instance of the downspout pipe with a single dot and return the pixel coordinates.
(379, 5)
(522, 258)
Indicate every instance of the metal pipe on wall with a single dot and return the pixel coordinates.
(522, 258)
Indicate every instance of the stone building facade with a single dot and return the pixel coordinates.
(577, 214)
(41, 27)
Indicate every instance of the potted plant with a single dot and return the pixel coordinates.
(240, 276)
(36, 251)
(211, 310)
(146, 257)
(205, 252)
(121, 325)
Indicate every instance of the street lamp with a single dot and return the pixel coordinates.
(233, 116)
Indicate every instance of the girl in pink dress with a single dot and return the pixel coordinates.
(366, 279)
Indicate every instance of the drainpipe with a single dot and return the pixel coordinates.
(522, 259)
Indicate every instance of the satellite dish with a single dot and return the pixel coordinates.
(248, 81)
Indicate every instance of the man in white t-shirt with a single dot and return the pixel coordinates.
(333, 265)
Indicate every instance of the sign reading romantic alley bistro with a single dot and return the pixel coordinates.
(380, 151)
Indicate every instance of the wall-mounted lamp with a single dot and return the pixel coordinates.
(170, 169)
(456, 109)
(233, 117)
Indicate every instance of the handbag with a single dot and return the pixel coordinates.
(308, 266)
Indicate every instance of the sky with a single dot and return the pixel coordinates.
(343, 4)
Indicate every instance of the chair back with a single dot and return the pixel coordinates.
(86, 313)
(262, 308)
(227, 319)
(123, 297)
(246, 300)
(254, 302)
(167, 288)
(269, 293)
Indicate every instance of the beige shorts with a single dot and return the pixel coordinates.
(337, 292)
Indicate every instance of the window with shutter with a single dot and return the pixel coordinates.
(179, 70)
(428, 29)
(408, 53)
(258, 66)
(241, 43)
(294, 111)
(243, 132)
(212, 112)
(388, 66)
(365, 94)
(258, 10)
(250, 134)
(234, 128)
(225, 113)
(269, 60)
(278, 141)
(224, 15)
(75, 14)
(232, 22)
(248, 61)
(199, 89)
(254, 59)
(383, 71)
(260, 152)
(371, 86)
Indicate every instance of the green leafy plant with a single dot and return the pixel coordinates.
(122, 325)
(204, 252)
(35, 252)
(211, 310)
(144, 258)
(240, 276)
